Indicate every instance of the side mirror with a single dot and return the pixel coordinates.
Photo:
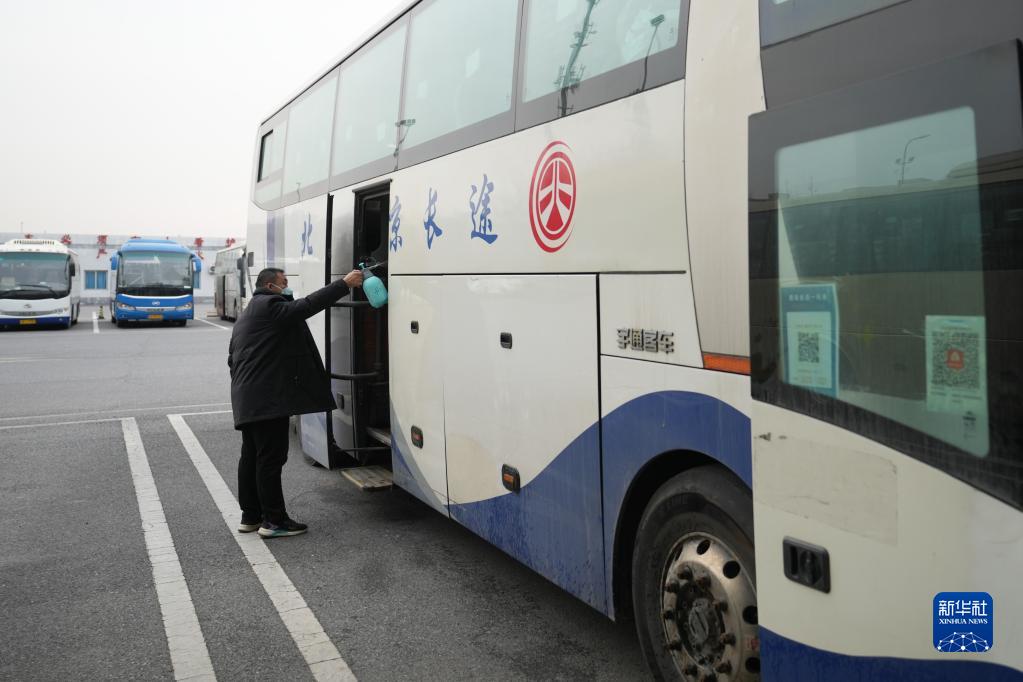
(113, 262)
(197, 265)
(213, 269)
(72, 269)
(250, 259)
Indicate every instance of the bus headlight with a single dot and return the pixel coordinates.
(187, 306)
(125, 306)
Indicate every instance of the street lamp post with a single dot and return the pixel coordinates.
(905, 150)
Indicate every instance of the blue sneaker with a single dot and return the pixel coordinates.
(282, 529)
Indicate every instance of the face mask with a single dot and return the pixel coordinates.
(286, 291)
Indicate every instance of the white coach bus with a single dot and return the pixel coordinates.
(40, 284)
(231, 281)
(659, 269)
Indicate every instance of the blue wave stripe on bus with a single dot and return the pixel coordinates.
(786, 660)
(655, 423)
(553, 524)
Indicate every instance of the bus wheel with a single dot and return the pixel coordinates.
(693, 580)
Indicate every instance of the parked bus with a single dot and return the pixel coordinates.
(153, 282)
(231, 281)
(40, 283)
(654, 275)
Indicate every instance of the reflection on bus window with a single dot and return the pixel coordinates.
(881, 275)
(25, 275)
(568, 41)
(307, 153)
(157, 273)
(368, 102)
(460, 65)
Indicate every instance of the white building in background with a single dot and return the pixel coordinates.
(94, 251)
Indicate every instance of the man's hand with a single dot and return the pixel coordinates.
(353, 279)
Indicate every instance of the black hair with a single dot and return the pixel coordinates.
(267, 276)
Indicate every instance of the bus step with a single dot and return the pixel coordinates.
(379, 435)
(370, 479)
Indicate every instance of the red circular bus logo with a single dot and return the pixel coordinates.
(552, 197)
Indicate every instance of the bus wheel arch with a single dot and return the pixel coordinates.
(687, 525)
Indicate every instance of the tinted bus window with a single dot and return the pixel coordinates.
(460, 66)
(894, 249)
(368, 103)
(307, 154)
(271, 163)
(784, 19)
(568, 41)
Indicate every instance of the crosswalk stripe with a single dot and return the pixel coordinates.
(319, 652)
(189, 655)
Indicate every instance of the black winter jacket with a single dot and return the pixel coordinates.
(276, 370)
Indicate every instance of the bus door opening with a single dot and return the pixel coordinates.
(370, 390)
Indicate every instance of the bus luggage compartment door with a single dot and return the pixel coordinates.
(417, 388)
(521, 391)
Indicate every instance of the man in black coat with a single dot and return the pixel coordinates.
(276, 371)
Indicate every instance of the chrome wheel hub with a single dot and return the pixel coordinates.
(709, 607)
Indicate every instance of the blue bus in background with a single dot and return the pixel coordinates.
(153, 281)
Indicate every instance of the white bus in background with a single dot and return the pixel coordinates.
(40, 283)
(231, 285)
(582, 206)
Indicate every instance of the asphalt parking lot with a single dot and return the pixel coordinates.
(120, 560)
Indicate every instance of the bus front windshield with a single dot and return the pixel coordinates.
(155, 273)
(34, 275)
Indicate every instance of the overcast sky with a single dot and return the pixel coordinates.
(140, 117)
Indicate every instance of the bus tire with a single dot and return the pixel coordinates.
(694, 580)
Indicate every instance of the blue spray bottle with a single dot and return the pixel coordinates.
(374, 287)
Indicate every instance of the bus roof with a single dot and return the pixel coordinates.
(352, 49)
(153, 245)
(36, 245)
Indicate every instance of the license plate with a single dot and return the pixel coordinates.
(156, 317)
(27, 321)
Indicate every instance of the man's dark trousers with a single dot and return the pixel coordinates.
(264, 452)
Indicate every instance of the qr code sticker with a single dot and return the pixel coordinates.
(810, 347)
(955, 357)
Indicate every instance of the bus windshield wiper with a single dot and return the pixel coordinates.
(37, 286)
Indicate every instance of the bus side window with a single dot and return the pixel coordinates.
(461, 66)
(307, 152)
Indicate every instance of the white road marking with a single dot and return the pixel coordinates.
(189, 655)
(16, 361)
(194, 414)
(95, 323)
(320, 654)
(212, 324)
(158, 408)
(40, 426)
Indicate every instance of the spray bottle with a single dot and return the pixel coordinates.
(373, 286)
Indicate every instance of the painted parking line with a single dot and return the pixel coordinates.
(95, 323)
(157, 408)
(189, 655)
(319, 652)
(213, 324)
